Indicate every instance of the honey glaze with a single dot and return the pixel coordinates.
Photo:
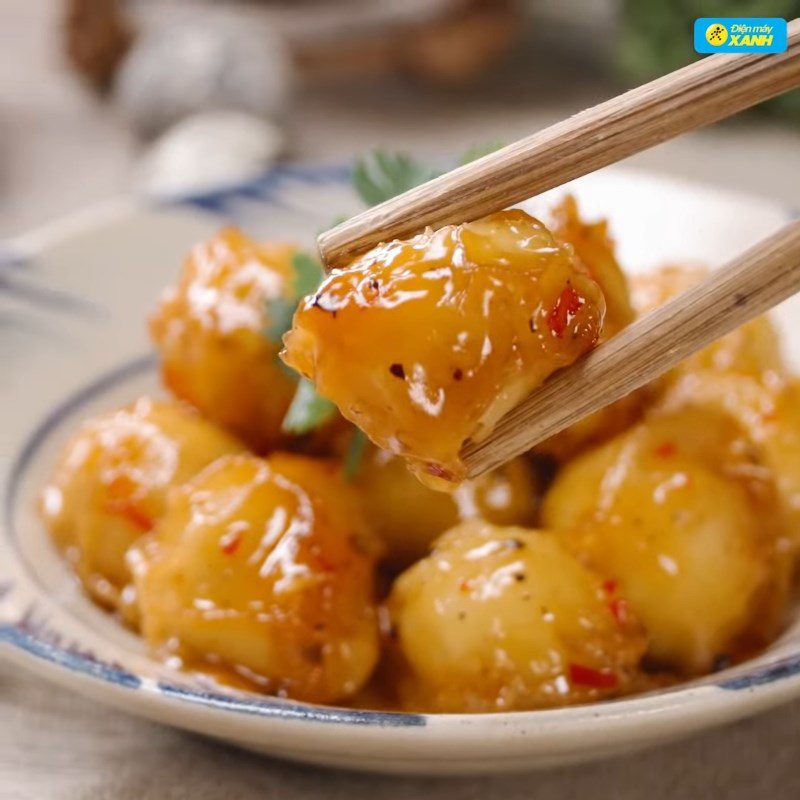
(428, 342)
(263, 568)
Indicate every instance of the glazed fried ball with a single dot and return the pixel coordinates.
(408, 516)
(504, 619)
(780, 440)
(211, 330)
(674, 514)
(753, 349)
(596, 428)
(111, 484)
(768, 410)
(594, 251)
(428, 342)
(263, 569)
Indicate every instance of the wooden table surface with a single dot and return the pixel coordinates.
(60, 150)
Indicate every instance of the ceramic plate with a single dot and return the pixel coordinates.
(73, 301)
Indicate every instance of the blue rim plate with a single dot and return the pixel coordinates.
(74, 297)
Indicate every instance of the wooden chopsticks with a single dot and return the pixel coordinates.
(700, 94)
(697, 95)
(750, 285)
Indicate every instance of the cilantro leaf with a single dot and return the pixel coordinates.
(356, 448)
(308, 410)
(479, 151)
(309, 273)
(280, 310)
(383, 175)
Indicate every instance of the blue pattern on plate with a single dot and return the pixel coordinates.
(10, 257)
(785, 668)
(26, 290)
(264, 189)
(271, 707)
(17, 282)
(72, 657)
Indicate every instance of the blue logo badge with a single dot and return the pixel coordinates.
(740, 35)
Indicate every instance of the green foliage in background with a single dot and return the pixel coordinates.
(383, 175)
(658, 37)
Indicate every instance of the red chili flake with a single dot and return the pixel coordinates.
(610, 586)
(135, 515)
(465, 585)
(325, 564)
(230, 542)
(438, 471)
(666, 450)
(119, 503)
(595, 678)
(568, 304)
(619, 608)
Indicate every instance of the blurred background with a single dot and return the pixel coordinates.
(102, 97)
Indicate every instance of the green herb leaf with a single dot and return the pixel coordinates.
(280, 310)
(479, 151)
(382, 176)
(334, 222)
(307, 411)
(356, 448)
(309, 273)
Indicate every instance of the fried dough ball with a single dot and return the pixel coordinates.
(111, 484)
(263, 569)
(504, 619)
(654, 288)
(767, 409)
(753, 349)
(408, 516)
(596, 428)
(428, 342)
(780, 439)
(674, 512)
(211, 329)
(594, 250)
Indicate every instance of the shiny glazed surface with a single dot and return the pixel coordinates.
(262, 569)
(111, 484)
(210, 330)
(428, 342)
(516, 620)
(674, 513)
